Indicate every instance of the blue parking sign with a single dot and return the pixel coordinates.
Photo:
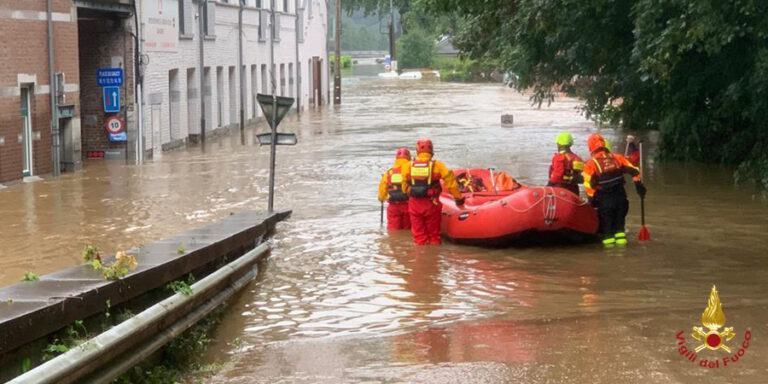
(111, 99)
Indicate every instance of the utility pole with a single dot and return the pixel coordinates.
(241, 71)
(273, 143)
(391, 32)
(298, 61)
(337, 63)
(201, 33)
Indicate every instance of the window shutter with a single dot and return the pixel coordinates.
(277, 26)
(300, 25)
(210, 18)
(263, 23)
(189, 17)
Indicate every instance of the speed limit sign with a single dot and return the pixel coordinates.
(115, 128)
(114, 125)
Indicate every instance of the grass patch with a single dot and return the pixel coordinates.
(30, 276)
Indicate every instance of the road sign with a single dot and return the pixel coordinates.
(282, 138)
(116, 129)
(106, 77)
(111, 99)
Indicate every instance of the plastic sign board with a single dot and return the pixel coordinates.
(116, 129)
(282, 138)
(111, 99)
(109, 77)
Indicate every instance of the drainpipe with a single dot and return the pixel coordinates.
(298, 62)
(201, 9)
(240, 69)
(138, 81)
(52, 88)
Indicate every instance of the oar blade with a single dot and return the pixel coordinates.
(643, 235)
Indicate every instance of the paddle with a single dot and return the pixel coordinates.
(382, 215)
(643, 235)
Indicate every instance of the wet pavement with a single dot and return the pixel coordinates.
(343, 301)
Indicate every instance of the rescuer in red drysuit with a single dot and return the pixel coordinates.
(565, 171)
(392, 188)
(423, 175)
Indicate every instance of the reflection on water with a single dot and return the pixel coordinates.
(343, 301)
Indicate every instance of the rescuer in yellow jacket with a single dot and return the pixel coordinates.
(423, 176)
(393, 188)
(604, 183)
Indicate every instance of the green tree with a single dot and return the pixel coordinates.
(416, 49)
(694, 70)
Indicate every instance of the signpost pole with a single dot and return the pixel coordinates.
(273, 123)
(337, 63)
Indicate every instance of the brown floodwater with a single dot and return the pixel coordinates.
(343, 301)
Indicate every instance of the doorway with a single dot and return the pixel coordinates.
(26, 132)
(317, 90)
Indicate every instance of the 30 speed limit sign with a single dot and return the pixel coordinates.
(114, 125)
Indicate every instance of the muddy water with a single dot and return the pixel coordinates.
(342, 301)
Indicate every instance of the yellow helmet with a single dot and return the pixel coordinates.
(564, 139)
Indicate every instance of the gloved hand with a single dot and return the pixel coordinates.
(640, 188)
(459, 201)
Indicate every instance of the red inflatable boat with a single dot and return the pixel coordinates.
(499, 211)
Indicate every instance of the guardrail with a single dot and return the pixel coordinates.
(113, 352)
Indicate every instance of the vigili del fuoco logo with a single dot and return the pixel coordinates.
(711, 337)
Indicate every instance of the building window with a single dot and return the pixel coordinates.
(258, 3)
(182, 18)
(286, 6)
(300, 16)
(263, 22)
(209, 18)
(264, 81)
(276, 27)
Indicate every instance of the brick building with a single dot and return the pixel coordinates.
(89, 35)
(26, 141)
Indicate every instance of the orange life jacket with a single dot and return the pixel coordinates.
(395, 185)
(425, 182)
(610, 172)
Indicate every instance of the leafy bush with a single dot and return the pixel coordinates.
(346, 60)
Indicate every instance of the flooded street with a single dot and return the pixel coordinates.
(343, 301)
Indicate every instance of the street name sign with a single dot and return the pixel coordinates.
(107, 77)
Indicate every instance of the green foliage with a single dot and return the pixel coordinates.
(179, 286)
(373, 6)
(415, 49)
(26, 365)
(362, 35)
(346, 60)
(91, 253)
(54, 349)
(30, 276)
(461, 70)
(696, 71)
(70, 338)
(123, 264)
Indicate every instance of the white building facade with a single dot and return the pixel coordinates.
(171, 63)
